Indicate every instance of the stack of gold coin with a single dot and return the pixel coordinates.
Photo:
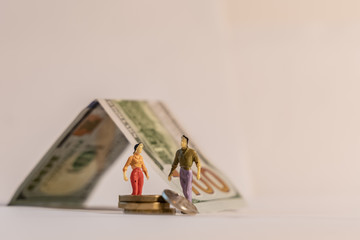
(145, 204)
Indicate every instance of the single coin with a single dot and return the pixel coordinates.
(141, 198)
(179, 202)
(144, 206)
(170, 211)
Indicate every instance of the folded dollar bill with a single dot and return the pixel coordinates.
(69, 171)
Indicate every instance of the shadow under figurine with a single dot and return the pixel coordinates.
(186, 156)
(138, 167)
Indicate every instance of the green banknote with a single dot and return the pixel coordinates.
(69, 171)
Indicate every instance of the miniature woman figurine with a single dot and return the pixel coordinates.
(137, 163)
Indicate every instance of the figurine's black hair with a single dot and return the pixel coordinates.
(135, 147)
(187, 139)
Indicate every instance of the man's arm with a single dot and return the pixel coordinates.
(198, 165)
(174, 165)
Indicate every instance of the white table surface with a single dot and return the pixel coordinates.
(259, 221)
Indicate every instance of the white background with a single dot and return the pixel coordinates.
(269, 90)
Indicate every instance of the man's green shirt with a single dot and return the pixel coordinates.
(186, 157)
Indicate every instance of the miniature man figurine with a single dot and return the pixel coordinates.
(186, 156)
(137, 163)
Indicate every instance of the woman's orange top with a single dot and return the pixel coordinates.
(135, 161)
